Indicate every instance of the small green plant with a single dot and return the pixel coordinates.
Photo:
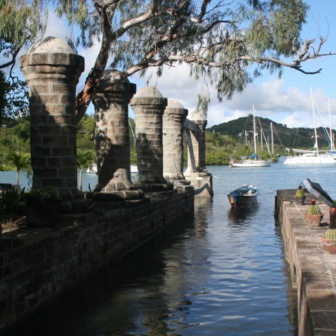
(48, 192)
(8, 200)
(330, 234)
(300, 192)
(314, 209)
(334, 204)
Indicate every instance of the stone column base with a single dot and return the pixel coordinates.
(160, 194)
(202, 183)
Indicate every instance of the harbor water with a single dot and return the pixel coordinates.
(214, 273)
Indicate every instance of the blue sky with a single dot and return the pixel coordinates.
(286, 100)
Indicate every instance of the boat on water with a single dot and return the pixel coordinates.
(303, 157)
(93, 169)
(246, 161)
(310, 157)
(243, 197)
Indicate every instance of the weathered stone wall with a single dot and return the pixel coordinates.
(52, 70)
(148, 106)
(112, 131)
(40, 263)
(173, 119)
(313, 271)
(201, 144)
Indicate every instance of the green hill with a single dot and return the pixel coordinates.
(289, 137)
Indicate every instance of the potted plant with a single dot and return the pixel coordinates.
(299, 197)
(314, 215)
(329, 241)
(42, 207)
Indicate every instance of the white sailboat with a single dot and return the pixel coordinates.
(303, 157)
(247, 161)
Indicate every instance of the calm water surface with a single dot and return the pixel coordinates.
(213, 274)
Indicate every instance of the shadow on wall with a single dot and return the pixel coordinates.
(150, 154)
(112, 144)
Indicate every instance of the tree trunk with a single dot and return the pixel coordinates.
(17, 176)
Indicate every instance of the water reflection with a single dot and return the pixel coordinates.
(216, 273)
(240, 216)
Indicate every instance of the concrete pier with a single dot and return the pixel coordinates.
(313, 271)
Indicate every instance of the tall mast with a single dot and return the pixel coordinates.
(261, 140)
(272, 138)
(330, 129)
(254, 132)
(312, 99)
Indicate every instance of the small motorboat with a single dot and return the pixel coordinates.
(243, 197)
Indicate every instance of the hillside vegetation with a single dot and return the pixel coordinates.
(15, 136)
(222, 140)
(228, 139)
(283, 135)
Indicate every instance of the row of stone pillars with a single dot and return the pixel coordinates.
(52, 70)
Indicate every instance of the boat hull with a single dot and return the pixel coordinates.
(302, 160)
(241, 202)
(251, 164)
(243, 197)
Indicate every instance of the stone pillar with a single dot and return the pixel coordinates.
(173, 119)
(52, 70)
(148, 106)
(112, 132)
(201, 144)
(198, 142)
(193, 141)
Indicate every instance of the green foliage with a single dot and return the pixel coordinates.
(283, 136)
(228, 36)
(20, 161)
(330, 234)
(217, 157)
(21, 22)
(48, 192)
(86, 133)
(314, 209)
(334, 204)
(85, 159)
(8, 199)
(300, 193)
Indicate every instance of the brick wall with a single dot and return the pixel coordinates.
(37, 264)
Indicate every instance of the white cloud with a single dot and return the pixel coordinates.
(290, 106)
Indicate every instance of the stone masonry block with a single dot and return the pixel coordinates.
(67, 172)
(40, 151)
(62, 151)
(46, 172)
(55, 140)
(53, 182)
(38, 89)
(62, 88)
(44, 99)
(68, 99)
(61, 120)
(49, 130)
(54, 109)
(69, 161)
